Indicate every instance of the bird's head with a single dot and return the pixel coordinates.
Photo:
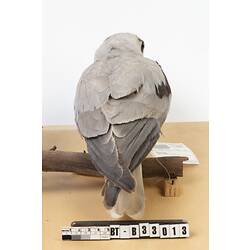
(118, 44)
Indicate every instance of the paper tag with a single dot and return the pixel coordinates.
(174, 149)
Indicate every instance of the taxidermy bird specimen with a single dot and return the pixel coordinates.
(121, 101)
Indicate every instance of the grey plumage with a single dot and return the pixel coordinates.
(121, 101)
(133, 145)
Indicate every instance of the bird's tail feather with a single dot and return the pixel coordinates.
(131, 204)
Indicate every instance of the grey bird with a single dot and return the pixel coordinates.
(121, 102)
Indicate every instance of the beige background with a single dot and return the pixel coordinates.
(68, 197)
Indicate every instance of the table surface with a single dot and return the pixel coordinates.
(68, 197)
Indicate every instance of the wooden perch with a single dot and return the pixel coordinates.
(79, 163)
(169, 168)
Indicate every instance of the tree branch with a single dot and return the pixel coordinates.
(79, 163)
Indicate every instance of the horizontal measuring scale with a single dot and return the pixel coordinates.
(134, 229)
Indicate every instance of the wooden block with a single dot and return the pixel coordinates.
(171, 188)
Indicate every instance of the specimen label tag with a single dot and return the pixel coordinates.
(174, 149)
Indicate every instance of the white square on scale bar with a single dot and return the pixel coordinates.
(124, 232)
(164, 231)
(144, 229)
(66, 231)
(76, 231)
(114, 231)
(104, 233)
(95, 233)
(134, 231)
(174, 231)
(183, 230)
(95, 236)
(154, 230)
(105, 236)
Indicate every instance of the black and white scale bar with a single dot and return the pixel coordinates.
(134, 229)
